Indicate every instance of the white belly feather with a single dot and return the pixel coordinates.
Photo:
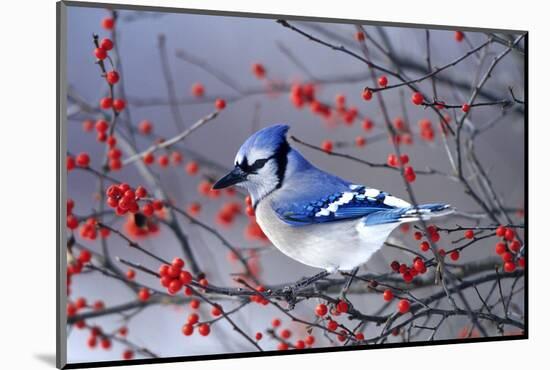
(340, 245)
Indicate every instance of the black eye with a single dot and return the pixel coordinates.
(258, 164)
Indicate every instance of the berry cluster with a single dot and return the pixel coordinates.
(426, 129)
(347, 114)
(124, 199)
(508, 249)
(173, 277)
(227, 213)
(285, 334)
(408, 273)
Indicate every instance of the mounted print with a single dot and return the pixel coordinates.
(235, 185)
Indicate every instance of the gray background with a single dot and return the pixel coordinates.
(233, 44)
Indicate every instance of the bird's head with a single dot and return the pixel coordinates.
(260, 164)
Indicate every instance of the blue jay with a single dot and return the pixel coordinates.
(310, 215)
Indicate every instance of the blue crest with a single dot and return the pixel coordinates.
(269, 138)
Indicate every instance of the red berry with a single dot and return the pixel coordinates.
(465, 107)
(285, 334)
(128, 354)
(500, 231)
(119, 105)
(174, 286)
(332, 325)
(419, 265)
(327, 146)
(108, 23)
(393, 161)
(509, 266)
(101, 125)
(85, 256)
(220, 104)
(83, 160)
(507, 257)
(359, 36)
(395, 266)
(158, 204)
(101, 137)
(469, 234)
(388, 295)
(130, 274)
(417, 98)
(141, 192)
(342, 306)
(515, 246)
(360, 336)
(112, 77)
(403, 306)
(276, 323)
(410, 176)
(105, 343)
(106, 44)
(145, 127)
(383, 81)
(192, 319)
(367, 94)
(178, 262)
(106, 103)
(197, 90)
(310, 339)
(70, 163)
(195, 304)
(147, 209)
(282, 346)
(216, 311)
(187, 329)
(163, 161)
(111, 141)
(258, 70)
(404, 159)
(455, 255)
(509, 234)
(204, 329)
(100, 53)
(144, 294)
(300, 344)
(459, 36)
(148, 158)
(417, 235)
(341, 101)
(185, 277)
(192, 168)
(88, 125)
(321, 310)
(500, 248)
(92, 341)
(360, 141)
(259, 336)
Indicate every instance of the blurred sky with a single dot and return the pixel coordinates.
(232, 44)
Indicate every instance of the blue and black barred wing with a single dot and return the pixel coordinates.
(358, 202)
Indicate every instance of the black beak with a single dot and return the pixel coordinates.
(232, 178)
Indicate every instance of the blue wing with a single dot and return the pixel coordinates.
(352, 202)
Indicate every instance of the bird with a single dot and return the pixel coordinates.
(310, 215)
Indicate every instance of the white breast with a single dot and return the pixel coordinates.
(340, 245)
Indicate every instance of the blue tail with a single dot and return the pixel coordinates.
(408, 214)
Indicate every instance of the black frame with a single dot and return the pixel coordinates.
(61, 262)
